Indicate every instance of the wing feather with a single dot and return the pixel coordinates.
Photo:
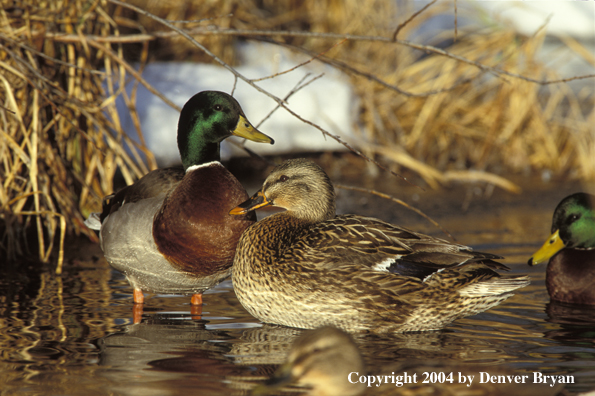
(371, 244)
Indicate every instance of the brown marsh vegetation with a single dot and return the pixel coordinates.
(476, 110)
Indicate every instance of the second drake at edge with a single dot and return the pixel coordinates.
(306, 267)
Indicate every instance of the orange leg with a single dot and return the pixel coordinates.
(196, 299)
(138, 296)
(196, 306)
(137, 308)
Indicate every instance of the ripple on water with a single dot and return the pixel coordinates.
(74, 334)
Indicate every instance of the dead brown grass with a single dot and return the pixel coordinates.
(462, 113)
(61, 138)
(500, 117)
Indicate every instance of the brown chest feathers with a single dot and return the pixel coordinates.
(570, 276)
(193, 229)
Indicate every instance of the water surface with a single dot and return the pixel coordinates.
(74, 335)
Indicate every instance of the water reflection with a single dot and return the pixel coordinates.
(577, 323)
(74, 334)
(163, 352)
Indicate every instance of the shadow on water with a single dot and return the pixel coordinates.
(73, 334)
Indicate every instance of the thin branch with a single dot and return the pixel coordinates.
(235, 84)
(7, 109)
(134, 73)
(198, 45)
(51, 59)
(204, 19)
(251, 153)
(301, 64)
(402, 25)
(294, 90)
(350, 69)
(263, 33)
(123, 39)
(259, 89)
(297, 88)
(386, 196)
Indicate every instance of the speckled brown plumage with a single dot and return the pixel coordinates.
(307, 268)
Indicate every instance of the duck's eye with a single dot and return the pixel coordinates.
(316, 349)
(573, 218)
(283, 178)
(218, 107)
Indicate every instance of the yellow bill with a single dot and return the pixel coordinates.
(552, 246)
(246, 130)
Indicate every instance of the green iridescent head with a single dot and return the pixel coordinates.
(573, 227)
(205, 121)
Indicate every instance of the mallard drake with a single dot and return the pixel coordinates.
(170, 232)
(570, 275)
(306, 267)
(327, 362)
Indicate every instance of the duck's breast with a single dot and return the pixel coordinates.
(194, 229)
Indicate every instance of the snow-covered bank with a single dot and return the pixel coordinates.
(327, 102)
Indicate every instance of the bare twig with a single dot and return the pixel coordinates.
(50, 58)
(239, 32)
(412, 17)
(294, 90)
(386, 196)
(135, 74)
(203, 19)
(6, 109)
(299, 65)
(259, 89)
(350, 69)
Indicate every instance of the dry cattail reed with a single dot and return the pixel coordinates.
(465, 112)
